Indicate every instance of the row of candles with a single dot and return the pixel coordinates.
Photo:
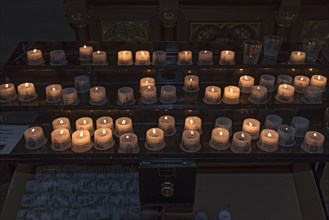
(287, 87)
(274, 134)
(125, 57)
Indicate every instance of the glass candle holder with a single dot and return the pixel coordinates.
(81, 141)
(251, 51)
(99, 58)
(57, 58)
(313, 142)
(191, 83)
(125, 58)
(268, 140)
(287, 135)
(285, 93)
(142, 57)
(167, 124)
(54, 93)
(231, 95)
(126, 96)
(251, 126)
(224, 122)
(258, 95)
(184, 58)
(128, 143)
(272, 45)
(7, 92)
(227, 57)
(190, 141)
(35, 57)
(159, 57)
(82, 83)
(301, 124)
(297, 57)
(149, 95)
(155, 139)
(219, 139)
(312, 48)
(268, 82)
(245, 83)
(103, 139)
(301, 83)
(61, 139)
(26, 92)
(34, 137)
(312, 95)
(205, 57)
(168, 94)
(70, 96)
(273, 122)
(241, 142)
(212, 95)
(283, 79)
(85, 54)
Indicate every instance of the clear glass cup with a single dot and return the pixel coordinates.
(251, 51)
(312, 48)
(272, 45)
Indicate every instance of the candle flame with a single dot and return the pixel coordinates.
(285, 86)
(166, 118)
(314, 134)
(319, 77)
(98, 52)
(81, 134)
(231, 89)
(84, 46)
(61, 122)
(84, 121)
(302, 78)
(127, 137)
(269, 135)
(212, 89)
(6, 85)
(241, 69)
(242, 135)
(96, 88)
(153, 131)
(185, 52)
(191, 79)
(123, 122)
(221, 133)
(191, 122)
(26, 85)
(192, 133)
(246, 77)
(298, 53)
(61, 132)
(54, 89)
(33, 129)
(226, 52)
(311, 69)
(142, 53)
(250, 124)
(258, 87)
(149, 87)
(35, 50)
(104, 121)
(104, 132)
(146, 81)
(205, 51)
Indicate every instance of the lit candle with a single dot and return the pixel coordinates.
(205, 57)
(105, 122)
(82, 83)
(212, 95)
(245, 83)
(26, 92)
(224, 122)
(301, 124)
(191, 83)
(319, 81)
(7, 92)
(193, 123)
(184, 57)
(220, 139)
(168, 94)
(227, 57)
(297, 57)
(60, 123)
(149, 95)
(142, 57)
(167, 124)
(313, 142)
(128, 143)
(146, 81)
(34, 57)
(123, 125)
(258, 95)
(125, 96)
(190, 141)
(99, 58)
(283, 79)
(103, 139)
(251, 126)
(98, 95)
(81, 141)
(268, 82)
(34, 137)
(54, 93)
(231, 95)
(85, 53)
(286, 135)
(300, 83)
(159, 57)
(285, 93)
(273, 121)
(155, 139)
(241, 142)
(70, 96)
(125, 57)
(268, 140)
(61, 139)
(85, 123)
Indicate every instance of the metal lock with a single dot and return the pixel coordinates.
(167, 189)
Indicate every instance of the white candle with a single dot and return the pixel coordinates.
(98, 95)
(70, 96)
(297, 57)
(190, 141)
(241, 142)
(286, 135)
(149, 95)
(268, 140)
(103, 139)
(81, 141)
(26, 92)
(128, 143)
(319, 81)
(54, 93)
(105, 122)
(123, 125)
(142, 57)
(34, 57)
(125, 96)
(224, 122)
(125, 57)
(99, 58)
(245, 83)
(61, 139)
(146, 81)
(227, 57)
(258, 95)
(312, 95)
(184, 57)
(267, 81)
(85, 53)
(85, 123)
(159, 57)
(251, 126)
(273, 121)
(193, 123)
(155, 139)
(167, 124)
(205, 57)
(168, 94)
(313, 142)
(231, 95)
(191, 83)
(212, 95)
(34, 137)
(7, 92)
(61, 122)
(219, 139)
(285, 93)
(300, 83)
